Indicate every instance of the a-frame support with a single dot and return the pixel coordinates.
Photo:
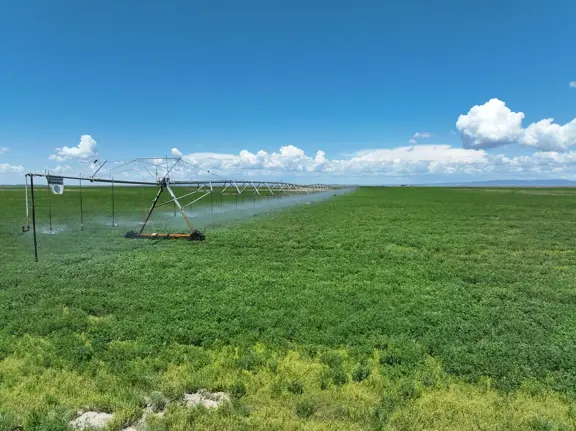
(165, 185)
(154, 202)
(180, 207)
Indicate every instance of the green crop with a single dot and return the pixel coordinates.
(385, 308)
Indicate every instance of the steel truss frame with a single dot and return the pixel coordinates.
(203, 189)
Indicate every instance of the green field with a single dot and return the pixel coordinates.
(385, 308)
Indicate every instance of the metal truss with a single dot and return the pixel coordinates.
(196, 191)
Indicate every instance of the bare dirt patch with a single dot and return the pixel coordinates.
(210, 400)
(91, 420)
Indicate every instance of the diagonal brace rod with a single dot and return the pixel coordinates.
(154, 202)
(179, 207)
(196, 200)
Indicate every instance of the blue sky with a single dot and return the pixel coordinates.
(353, 80)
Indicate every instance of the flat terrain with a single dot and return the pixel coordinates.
(385, 308)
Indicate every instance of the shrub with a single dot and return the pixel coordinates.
(158, 401)
(305, 408)
(361, 372)
(46, 421)
(238, 389)
(7, 421)
(541, 424)
(250, 361)
(337, 375)
(332, 359)
(296, 387)
(276, 389)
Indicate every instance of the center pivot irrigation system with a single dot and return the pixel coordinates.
(202, 189)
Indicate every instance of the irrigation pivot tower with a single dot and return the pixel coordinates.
(165, 185)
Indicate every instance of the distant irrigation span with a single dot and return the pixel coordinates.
(168, 192)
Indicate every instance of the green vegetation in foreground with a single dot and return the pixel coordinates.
(388, 308)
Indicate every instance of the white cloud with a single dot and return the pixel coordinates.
(61, 169)
(422, 163)
(419, 135)
(494, 124)
(289, 158)
(546, 135)
(292, 160)
(6, 168)
(490, 125)
(85, 149)
(432, 161)
(4, 150)
(176, 153)
(572, 84)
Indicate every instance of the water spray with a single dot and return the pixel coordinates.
(203, 189)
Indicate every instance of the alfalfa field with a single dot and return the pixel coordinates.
(381, 309)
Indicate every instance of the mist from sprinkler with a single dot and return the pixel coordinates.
(98, 235)
(247, 206)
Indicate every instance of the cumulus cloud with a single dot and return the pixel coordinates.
(4, 150)
(494, 124)
(490, 125)
(381, 164)
(438, 161)
(422, 135)
(6, 168)
(419, 135)
(388, 162)
(176, 153)
(86, 149)
(289, 158)
(61, 169)
(546, 135)
(572, 84)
